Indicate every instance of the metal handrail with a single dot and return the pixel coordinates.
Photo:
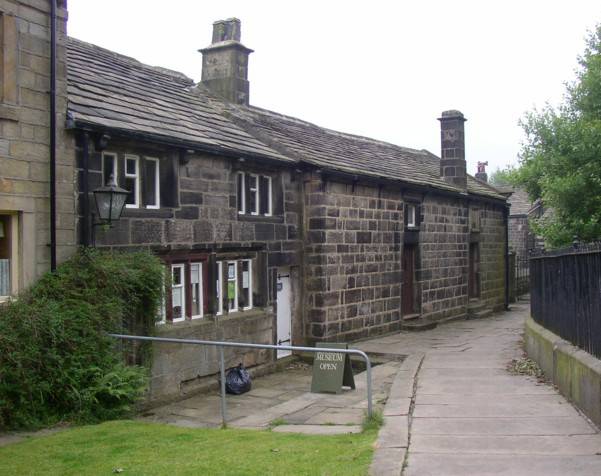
(221, 345)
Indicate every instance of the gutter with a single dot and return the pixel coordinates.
(52, 135)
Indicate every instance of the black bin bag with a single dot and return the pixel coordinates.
(237, 380)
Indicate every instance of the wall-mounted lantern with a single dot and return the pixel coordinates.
(110, 202)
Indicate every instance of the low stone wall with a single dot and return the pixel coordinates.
(179, 370)
(576, 373)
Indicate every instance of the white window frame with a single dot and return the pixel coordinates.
(235, 281)
(250, 284)
(157, 185)
(218, 294)
(115, 167)
(136, 177)
(257, 194)
(411, 212)
(200, 290)
(269, 197)
(242, 176)
(14, 260)
(162, 314)
(182, 267)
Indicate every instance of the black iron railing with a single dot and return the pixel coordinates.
(565, 294)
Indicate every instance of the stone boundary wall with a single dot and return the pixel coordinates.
(576, 373)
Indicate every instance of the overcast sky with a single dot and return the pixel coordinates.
(382, 69)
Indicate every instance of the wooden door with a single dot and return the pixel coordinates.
(474, 271)
(408, 283)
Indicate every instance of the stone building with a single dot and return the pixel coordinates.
(29, 245)
(274, 229)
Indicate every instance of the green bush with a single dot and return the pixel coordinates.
(56, 361)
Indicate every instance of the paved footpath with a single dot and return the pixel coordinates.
(470, 416)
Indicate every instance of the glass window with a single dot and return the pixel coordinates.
(246, 285)
(253, 186)
(197, 294)
(232, 286)
(219, 293)
(132, 181)
(109, 168)
(152, 182)
(410, 215)
(178, 292)
(241, 194)
(5, 255)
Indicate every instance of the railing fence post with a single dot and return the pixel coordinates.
(222, 372)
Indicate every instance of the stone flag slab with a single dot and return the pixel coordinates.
(331, 370)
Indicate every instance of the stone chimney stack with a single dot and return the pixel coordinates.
(452, 149)
(225, 62)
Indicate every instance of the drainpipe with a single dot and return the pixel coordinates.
(506, 222)
(53, 135)
(85, 226)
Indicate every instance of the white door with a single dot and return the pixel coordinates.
(284, 311)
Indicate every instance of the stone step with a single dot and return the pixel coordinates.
(480, 314)
(418, 325)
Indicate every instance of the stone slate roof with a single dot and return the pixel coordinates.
(346, 152)
(109, 90)
(519, 200)
(117, 92)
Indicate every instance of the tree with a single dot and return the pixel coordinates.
(560, 162)
(502, 177)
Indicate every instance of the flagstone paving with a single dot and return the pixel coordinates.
(471, 416)
(284, 399)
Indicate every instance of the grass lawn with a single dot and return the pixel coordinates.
(149, 448)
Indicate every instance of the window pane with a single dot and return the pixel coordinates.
(240, 179)
(177, 276)
(264, 194)
(245, 282)
(108, 170)
(232, 286)
(177, 297)
(130, 166)
(254, 194)
(5, 254)
(196, 284)
(130, 185)
(150, 186)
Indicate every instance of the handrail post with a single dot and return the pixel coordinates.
(369, 396)
(223, 403)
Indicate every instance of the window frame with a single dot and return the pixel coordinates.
(157, 184)
(219, 288)
(250, 283)
(257, 194)
(184, 314)
(135, 176)
(269, 196)
(236, 307)
(115, 158)
(243, 186)
(200, 288)
(14, 252)
(241, 176)
(411, 215)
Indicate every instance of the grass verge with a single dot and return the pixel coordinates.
(135, 448)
